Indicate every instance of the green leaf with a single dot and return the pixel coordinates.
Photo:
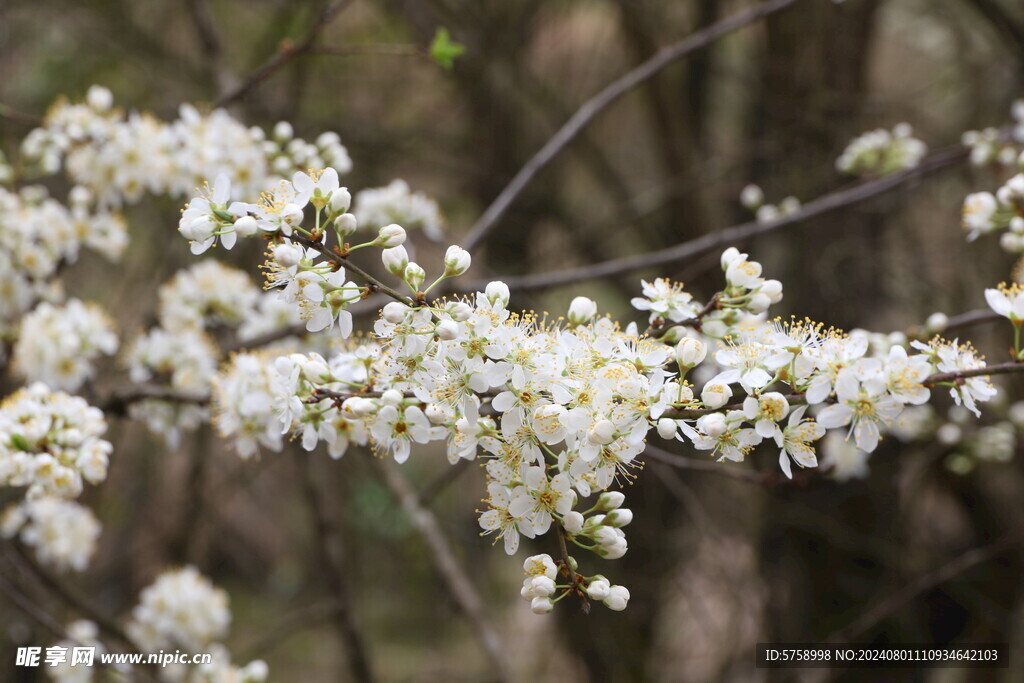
(444, 50)
(18, 441)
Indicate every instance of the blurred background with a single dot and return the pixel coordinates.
(717, 562)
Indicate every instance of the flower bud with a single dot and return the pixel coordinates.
(1017, 225)
(759, 303)
(617, 598)
(610, 500)
(614, 550)
(79, 195)
(603, 432)
(447, 330)
(1011, 242)
(541, 605)
(667, 428)
(456, 261)
(414, 275)
(949, 434)
(394, 312)
(691, 352)
(283, 131)
(291, 214)
(315, 370)
(287, 255)
(619, 518)
(99, 98)
(460, 311)
(391, 397)
(345, 224)
(752, 197)
(497, 291)
(341, 199)
(598, 589)
(395, 260)
(390, 236)
(245, 226)
(936, 323)
(773, 290)
(581, 310)
(712, 424)
(605, 535)
(730, 255)
(573, 522)
(715, 395)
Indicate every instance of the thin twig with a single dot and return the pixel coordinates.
(68, 595)
(893, 602)
(459, 584)
(970, 319)
(288, 625)
(956, 376)
(209, 40)
(684, 463)
(284, 55)
(117, 403)
(733, 235)
(441, 482)
(695, 322)
(374, 283)
(47, 621)
(599, 102)
(9, 113)
(368, 49)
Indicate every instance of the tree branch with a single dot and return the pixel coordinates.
(284, 55)
(456, 579)
(684, 463)
(893, 602)
(736, 234)
(599, 102)
(16, 555)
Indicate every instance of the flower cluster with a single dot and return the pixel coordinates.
(207, 294)
(992, 146)
(881, 152)
(81, 633)
(180, 355)
(63, 533)
(540, 585)
(119, 156)
(51, 442)
(59, 344)
(38, 235)
(752, 198)
(182, 609)
(243, 394)
(318, 289)
(984, 212)
(396, 203)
